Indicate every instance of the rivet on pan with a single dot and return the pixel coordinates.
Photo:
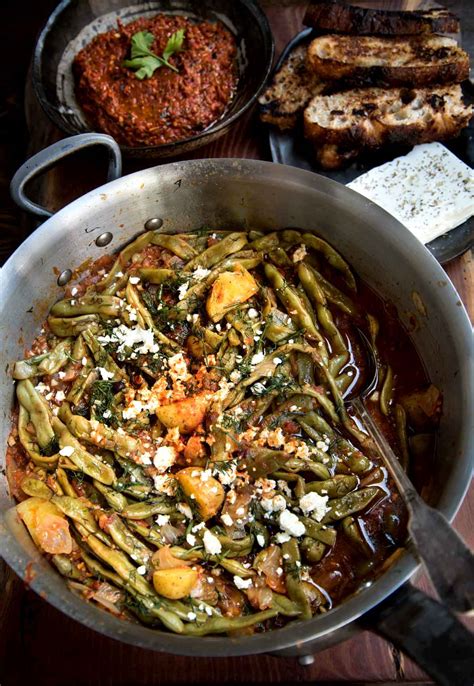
(306, 660)
(153, 224)
(104, 239)
(64, 277)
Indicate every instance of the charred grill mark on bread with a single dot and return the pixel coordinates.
(336, 17)
(371, 60)
(290, 90)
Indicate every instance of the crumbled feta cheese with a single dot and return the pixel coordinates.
(314, 503)
(198, 527)
(275, 504)
(228, 476)
(144, 458)
(129, 339)
(227, 519)
(185, 509)
(279, 571)
(162, 519)
(235, 376)
(74, 291)
(191, 539)
(67, 451)
(132, 313)
(84, 361)
(60, 396)
(178, 367)
(302, 451)
(141, 570)
(261, 540)
(252, 313)
(276, 438)
(277, 361)
(133, 410)
(257, 358)
(165, 456)
(134, 280)
(212, 545)
(106, 414)
(283, 486)
(290, 524)
(105, 374)
(200, 273)
(242, 583)
(299, 253)
(182, 290)
(191, 616)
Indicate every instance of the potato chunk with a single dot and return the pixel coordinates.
(175, 583)
(208, 495)
(228, 290)
(46, 524)
(186, 414)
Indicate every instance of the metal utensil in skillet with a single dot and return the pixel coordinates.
(447, 559)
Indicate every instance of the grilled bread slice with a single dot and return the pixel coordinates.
(340, 18)
(292, 87)
(342, 124)
(381, 61)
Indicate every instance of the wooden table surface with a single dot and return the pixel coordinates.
(37, 641)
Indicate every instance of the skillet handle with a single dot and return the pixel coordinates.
(428, 632)
(47, 158)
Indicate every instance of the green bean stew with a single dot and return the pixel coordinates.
(181, 450)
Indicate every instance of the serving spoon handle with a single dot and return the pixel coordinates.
(447, 559)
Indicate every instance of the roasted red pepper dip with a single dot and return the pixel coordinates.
(169, 106)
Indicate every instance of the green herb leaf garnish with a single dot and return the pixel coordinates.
(145, 62)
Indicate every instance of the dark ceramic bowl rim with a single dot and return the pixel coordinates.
(166, 148)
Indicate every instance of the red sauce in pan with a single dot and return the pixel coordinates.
(169, 106)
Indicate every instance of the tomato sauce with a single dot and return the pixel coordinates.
(170, 106)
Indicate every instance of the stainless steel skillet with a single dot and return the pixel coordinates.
(248, 193)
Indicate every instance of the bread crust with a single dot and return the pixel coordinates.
(426, 60)
(336, 17)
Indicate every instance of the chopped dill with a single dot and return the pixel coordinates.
(102, 403)
(293, 569)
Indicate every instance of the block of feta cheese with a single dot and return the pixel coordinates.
(429, 190)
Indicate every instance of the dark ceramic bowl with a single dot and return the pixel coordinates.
(74, 23)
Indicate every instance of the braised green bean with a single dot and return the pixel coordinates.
(182, 440)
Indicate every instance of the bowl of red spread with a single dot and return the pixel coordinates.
(162, 77)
